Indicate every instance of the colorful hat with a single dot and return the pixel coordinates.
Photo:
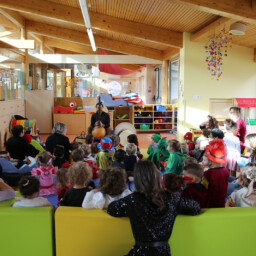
(216, 151)
(188, 136)
(156, 137)
(106, 144)
(115, 139)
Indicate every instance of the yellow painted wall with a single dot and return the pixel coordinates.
(237, 81)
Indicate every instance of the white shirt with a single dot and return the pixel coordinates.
(239, 199)
(232, 142)
(35, 202)
(100, 201)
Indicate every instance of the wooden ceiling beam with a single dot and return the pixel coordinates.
(130, 67)
(12, 55)
(69, 46)
(205, 32)
(98, 21)
(14, 17)
(233, 9)
(101, 42)
(171, 53)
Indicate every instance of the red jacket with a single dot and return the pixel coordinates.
(197, 192)
(216, 182)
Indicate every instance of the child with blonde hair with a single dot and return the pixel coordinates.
(246, 196)
(29, 188)
(80, 175)
(45, 172)
(130, 158)
(63, 182)
(112, 186)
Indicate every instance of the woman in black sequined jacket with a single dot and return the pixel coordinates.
(152, 211)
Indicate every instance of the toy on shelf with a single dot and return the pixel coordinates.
(26, 124)
(63, 110)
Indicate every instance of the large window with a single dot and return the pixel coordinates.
(174, 70)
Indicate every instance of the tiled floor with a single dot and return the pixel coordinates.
(144, 138)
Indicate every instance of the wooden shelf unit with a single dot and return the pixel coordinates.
(122, 111)
(148, 114)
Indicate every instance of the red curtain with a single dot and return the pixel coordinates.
(115, 69)
(246, 102)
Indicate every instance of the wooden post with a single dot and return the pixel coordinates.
(165, 81)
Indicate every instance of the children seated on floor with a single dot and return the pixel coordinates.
(119, 159)
(17, 146)
(63, 182)
(203, 140)
(6, 192)
(29, 188)
(90, 160)
(104, 158)
(94, 150)
(130, 159)
(161, 155)
(155, 138)
(215, 178)
(80, 175)
(233, 146)
(112, 186)
(175, 160)
(78, 155)
(194, 190)
(173, 183)
(45, 172)
(132, 138)
(89, 139)
(216, 134)
(59, 158)
(246, 196)
(188, 137)
(32, 141)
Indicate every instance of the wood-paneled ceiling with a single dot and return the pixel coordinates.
(149, 28)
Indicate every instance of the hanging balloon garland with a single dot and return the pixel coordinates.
(216, 49)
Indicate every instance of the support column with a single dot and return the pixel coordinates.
(165, 81)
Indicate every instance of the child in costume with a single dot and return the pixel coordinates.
(63, 183)
(78, 154)
(215, 179)
(45, 172)
(155, 138)
(29, 188)
(161, 155)
(233, 144)
(175, 160)
(112, 187)
(59, 159)
(173, 183)
(188, 137)
(104, 158)
(246, 196)
(80, 175)
(32, 141)
(194, 190)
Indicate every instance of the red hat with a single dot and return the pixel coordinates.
(28, 138)
(188, 136)
(216, 151)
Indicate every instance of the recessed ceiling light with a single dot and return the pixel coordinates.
(237, 28)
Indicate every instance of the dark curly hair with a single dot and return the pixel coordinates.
(132, 138)
(112, 181)
(147, 181)
(172, 182)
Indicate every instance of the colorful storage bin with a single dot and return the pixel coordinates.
(144, 127)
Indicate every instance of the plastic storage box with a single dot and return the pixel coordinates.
(144, 127)
(160, 108)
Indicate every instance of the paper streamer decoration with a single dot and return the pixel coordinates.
(216, 49)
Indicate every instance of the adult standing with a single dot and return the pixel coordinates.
(235, 115)
(58, 137)
(103, 122)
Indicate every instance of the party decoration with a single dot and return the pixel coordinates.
(216, 49)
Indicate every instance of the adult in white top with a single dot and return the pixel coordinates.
(98, 200)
